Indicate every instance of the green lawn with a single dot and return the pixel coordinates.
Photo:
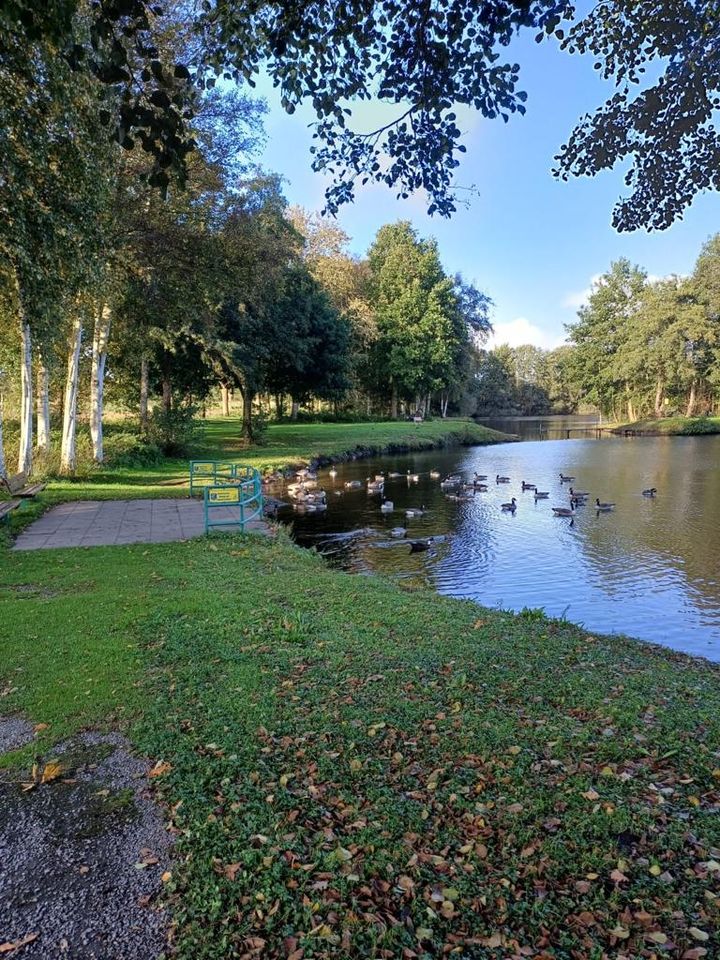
(361, 770)
(674, 426)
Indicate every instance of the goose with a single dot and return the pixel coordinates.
(603, 506)
(417, 546)
(528, 486)
(542, 494)
(387, 506)
(375, 486)
(306, 475)
(332, 472)
(353, 484)
(579, 494)
(650, 492)
(412, 477)
(317, 506)
(563, 511)
(480, 477)
(449, 482)
(578, 502)
(415, 512)
(499, 479)
(564, 479)
(512, 506)
(459, 497)
(393, 475)
(434, 474)
(398, 533)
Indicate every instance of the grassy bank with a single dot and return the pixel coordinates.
(672, 427)
(358, 770)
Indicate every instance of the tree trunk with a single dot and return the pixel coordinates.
(279, 406)
(68, 456)
(294, 409)
(444, 400)
(43, 407)
(144, 393)
(26, 400)
(394, 402)
(692, 399)
(225, 395)
(659, 397)
(3, 468)
(97, 381)
(166, 394)
(247, 430)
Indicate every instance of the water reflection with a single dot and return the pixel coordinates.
(573, 427)
(650, 569)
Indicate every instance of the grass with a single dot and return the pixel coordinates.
(354, 769)
(673, 426)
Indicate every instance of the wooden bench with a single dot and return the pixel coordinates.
(17, 486)
(7, 507)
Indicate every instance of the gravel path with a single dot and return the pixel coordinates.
(82, 859)
(14, 732)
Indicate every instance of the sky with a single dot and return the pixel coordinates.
(534, 244)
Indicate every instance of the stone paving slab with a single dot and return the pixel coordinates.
(103, 523)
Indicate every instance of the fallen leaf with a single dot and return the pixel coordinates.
(16, 944)
(698, 934)
(160, 769)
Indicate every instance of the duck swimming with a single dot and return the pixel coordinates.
(418, 546)
(650, 492)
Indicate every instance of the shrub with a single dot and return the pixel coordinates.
(127, 449)
(174, 431)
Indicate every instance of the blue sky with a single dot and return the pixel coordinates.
(532, 243)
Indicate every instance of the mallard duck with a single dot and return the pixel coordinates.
(509, 506)
(603, 506)
(353, 484)
(578, 494)
(387, 506)
(417, 546)
(542, 494)
(528, 486)
(563, 511)
(564, 479)
(415, 512)
(650, 492)
(499, 479)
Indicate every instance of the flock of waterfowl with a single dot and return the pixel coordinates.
(308, 496)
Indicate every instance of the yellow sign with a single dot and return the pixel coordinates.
(224, 495)
(203, 467)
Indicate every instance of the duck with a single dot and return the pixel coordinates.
(398, 533)
(416, 512)
(387, 506)
(541, 494)
(512, 506)
(499, 479)
(650, 492)
(434, 474)
(603, 506)
(353, 484)
(418, 546)
(563, 511)
(528, 486)
(578, 494)
(564, 479)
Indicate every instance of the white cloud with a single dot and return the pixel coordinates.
(575, 300)
(520, 331)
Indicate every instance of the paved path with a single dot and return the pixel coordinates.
(95, 523)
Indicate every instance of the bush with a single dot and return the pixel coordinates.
(174, 431)
(127, 449)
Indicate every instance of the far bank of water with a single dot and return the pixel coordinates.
(649, 569)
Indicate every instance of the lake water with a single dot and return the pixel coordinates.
(650, 569)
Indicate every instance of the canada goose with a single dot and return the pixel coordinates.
(379, 478)
(563, 511)
(332, 472)
(417, 546)
(650, 493)
(564, 479)
(316, 506)
(458, 497)
(480, 477)
(353, 484)
(306, 475)
(512, 506)
(579, 494)
(449, 482)
(375, 486)
(603, 506)
(395, 475)
(415, 512)
(542, 494)
(412, 477)
(499, 479)
(398, 533)
(387, 506)
(528, 486)
(434, 474)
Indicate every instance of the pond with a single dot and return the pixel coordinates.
(650, 568)
(571, 427)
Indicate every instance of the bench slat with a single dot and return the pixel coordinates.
(7, 506)
(31, 490)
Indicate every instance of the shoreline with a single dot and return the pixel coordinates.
(668, 427)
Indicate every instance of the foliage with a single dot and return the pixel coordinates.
(174, 431)
(354, 769)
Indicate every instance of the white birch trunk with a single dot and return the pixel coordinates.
(43, 407)
(68, 457)
(144, 393)
(26, 400)
(101, 335)
(3, 468)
